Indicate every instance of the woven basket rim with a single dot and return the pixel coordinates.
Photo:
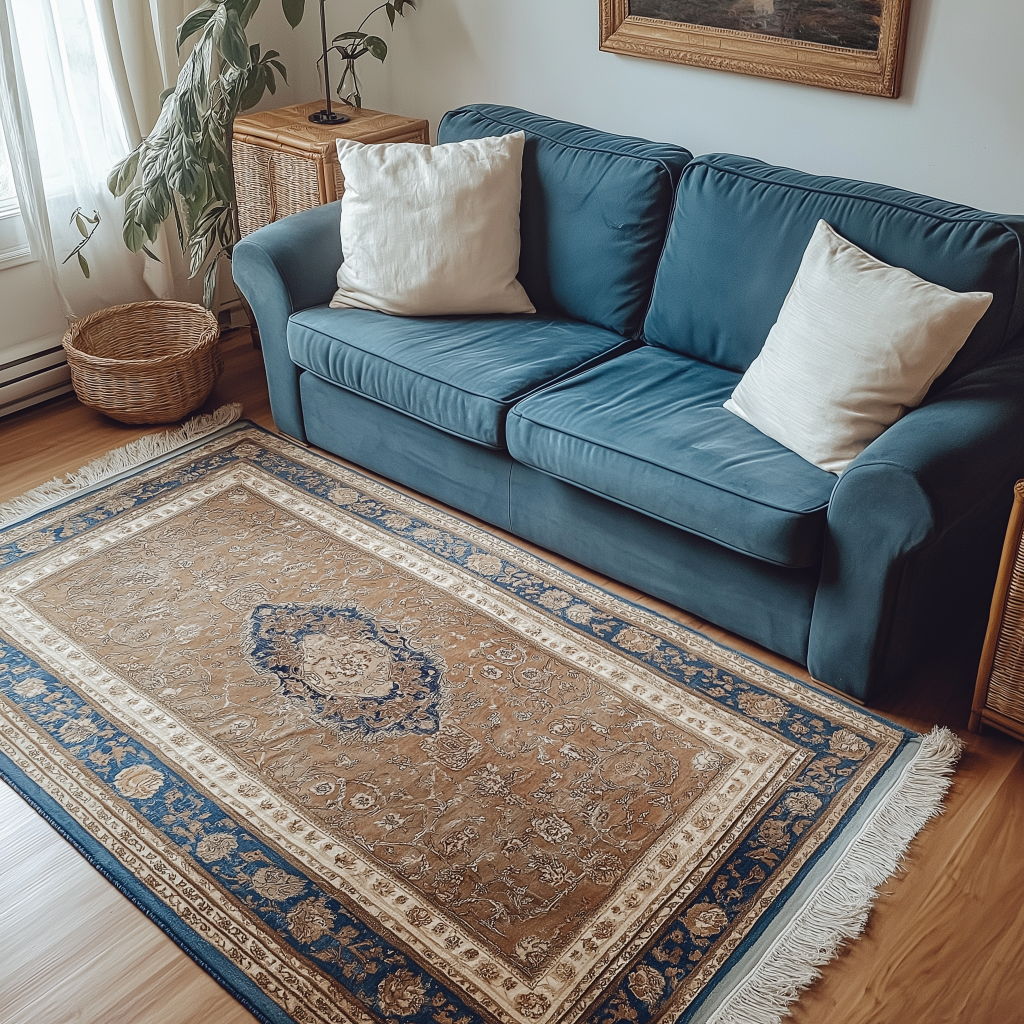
(204, 319)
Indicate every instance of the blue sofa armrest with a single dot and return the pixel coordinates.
(289, 265)
(946, 470)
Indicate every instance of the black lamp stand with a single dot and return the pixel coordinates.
(327, 116)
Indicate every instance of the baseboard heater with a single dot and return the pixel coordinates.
(31, 374)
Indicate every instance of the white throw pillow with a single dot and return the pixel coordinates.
(857, 343)
(432, 231)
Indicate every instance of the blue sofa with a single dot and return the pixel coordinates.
(595, 427)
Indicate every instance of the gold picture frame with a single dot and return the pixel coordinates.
(876, 72)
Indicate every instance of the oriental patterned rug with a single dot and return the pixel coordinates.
(366, 762)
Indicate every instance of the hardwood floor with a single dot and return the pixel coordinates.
(945, 942)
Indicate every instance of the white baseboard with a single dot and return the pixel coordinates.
(32, 372)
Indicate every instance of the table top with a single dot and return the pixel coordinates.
(291, 127)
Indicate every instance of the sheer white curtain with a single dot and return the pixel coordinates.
(140, 42)
(81, 81)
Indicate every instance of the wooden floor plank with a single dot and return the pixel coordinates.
(945, 942)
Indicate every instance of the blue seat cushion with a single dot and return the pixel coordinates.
(739, 231)
(594, 212)
(461, 374)
(647, 430)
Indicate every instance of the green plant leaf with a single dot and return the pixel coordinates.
(243, 8)
(253, 87)
(194, 23)
(220, 178)
(390, 8)
(349, 35)
(80, 224)
(293, 10)
(154, 208)
(248, 10)
(152, 255)
(377, 47)
(123, 173)
(202, 246)
(226, 228)
(177, 223)
(281, 69)
(201, 60)
(232, 42)
(84, 264)
(134, 233)
(196, 208)
(185, 176)
(210, 284)
(156, 157)
(204, 189)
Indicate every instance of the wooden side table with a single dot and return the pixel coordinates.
(999, 693)
(284, 163)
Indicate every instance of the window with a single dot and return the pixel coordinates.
(14, 247)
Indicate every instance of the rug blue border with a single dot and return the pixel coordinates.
(215, 963)
(792, 890)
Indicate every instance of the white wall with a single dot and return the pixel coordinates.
(956, 132)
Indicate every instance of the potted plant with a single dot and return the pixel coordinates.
(183, 169)
(353, 45)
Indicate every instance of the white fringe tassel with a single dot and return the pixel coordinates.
(838, 910)
(146, 448)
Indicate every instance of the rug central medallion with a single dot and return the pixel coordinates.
(410, 764)
(347, 672)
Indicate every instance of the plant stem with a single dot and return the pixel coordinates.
(369, 16)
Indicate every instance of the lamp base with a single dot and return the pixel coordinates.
(329, 117)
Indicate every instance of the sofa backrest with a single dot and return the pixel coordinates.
(739, 230)
(595, 209)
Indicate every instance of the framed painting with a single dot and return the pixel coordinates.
(854, 45)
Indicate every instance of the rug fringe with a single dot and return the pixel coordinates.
(134, 454)
(838, 911)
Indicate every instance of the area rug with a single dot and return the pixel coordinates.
(366, 762)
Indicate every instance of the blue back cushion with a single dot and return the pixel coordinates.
(594, 212)
(739, 230)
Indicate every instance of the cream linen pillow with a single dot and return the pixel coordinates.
(432, 231)
(857, 343)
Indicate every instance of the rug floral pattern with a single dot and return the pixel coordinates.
(395, 768)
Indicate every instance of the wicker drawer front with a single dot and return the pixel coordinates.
(285, 164)
(272, 184)
(999, 694)
(1006, 683)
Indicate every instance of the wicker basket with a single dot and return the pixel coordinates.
(145, 362)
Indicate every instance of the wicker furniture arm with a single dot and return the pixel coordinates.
(915, 525)
(289, 265)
